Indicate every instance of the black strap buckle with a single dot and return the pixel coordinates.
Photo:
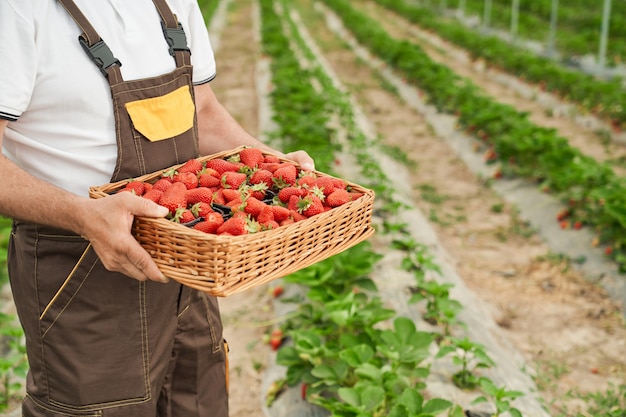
(100, 54)
(176, 38)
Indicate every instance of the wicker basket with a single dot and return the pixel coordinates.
(225, 265)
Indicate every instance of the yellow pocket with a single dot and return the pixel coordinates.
(165, 116)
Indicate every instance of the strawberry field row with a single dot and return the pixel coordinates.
(594, 195)
(341, 356)
(605, 98)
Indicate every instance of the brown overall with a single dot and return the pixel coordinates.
(100, 343)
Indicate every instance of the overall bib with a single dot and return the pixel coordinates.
(100, 343)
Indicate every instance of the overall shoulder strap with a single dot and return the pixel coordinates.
(92, 43)
(174, 34)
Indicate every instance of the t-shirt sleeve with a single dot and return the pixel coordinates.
(17, 49)
(202, 58)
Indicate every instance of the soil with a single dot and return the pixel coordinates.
(571, 333)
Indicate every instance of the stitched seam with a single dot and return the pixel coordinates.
(216, 346)
(143, 315)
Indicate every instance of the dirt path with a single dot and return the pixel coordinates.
(566, 327)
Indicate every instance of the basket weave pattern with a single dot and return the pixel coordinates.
(225, 265)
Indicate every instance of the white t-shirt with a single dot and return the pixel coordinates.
(58, 103)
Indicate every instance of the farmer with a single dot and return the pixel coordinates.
(93, 92)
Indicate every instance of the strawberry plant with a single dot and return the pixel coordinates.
(500, 397)
(470, 356)
(13, 363)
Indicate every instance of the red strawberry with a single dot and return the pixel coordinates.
(285, 175)
(269, 225)
(262, 176)
(272, 159)
(325, 184)
(251, 157)
(162, 184)
(174, 197)
(192, 165)
(196, 195)
(254, 207)
(233, 179)
(269, 166)
(183, 215)
(222, 165)
(310, 206)
(338, 197)
(188, 178)
(276, 339)
(137, 187)
(280, 213)
(153, 195)
(201, 209)
(212, 222)
(356, 194)
(207, 180)
(266, 214)
(293, 203)
(234, 226)
(230, 194)
(307, 180)
(278, 291)
(339, 183)
(218, 197)
(297, 216)
(285, 194)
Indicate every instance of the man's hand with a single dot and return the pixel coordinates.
(302, 158)
(107, 226)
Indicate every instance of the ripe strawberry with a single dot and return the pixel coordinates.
(153, 195)
(285, 194)
(254, 207)
(356, 194)
(269, 166)
(339, 183)
(294, 203)
(196, 195)
(271, 159)
(201, 209)
(212, 222)
(285, 175)
(262, 176)
(218, 197)
(277, 291)
(307, 180)
(233, 179)
(222, 165)
(192, 165)
(310, 206)
(608, 251)
(297, 217)
(276, 339)
(207, 180)
(162, 184)
(230, 194)
(578, 225)
(251, 157)
(234, 226)
(325, 184)
(280, 213)
(174, 197)
(183, 215)
(289, 220)
(338, 197)
(269, 225)
(137, 187)
(265, 215)
(188, 178)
